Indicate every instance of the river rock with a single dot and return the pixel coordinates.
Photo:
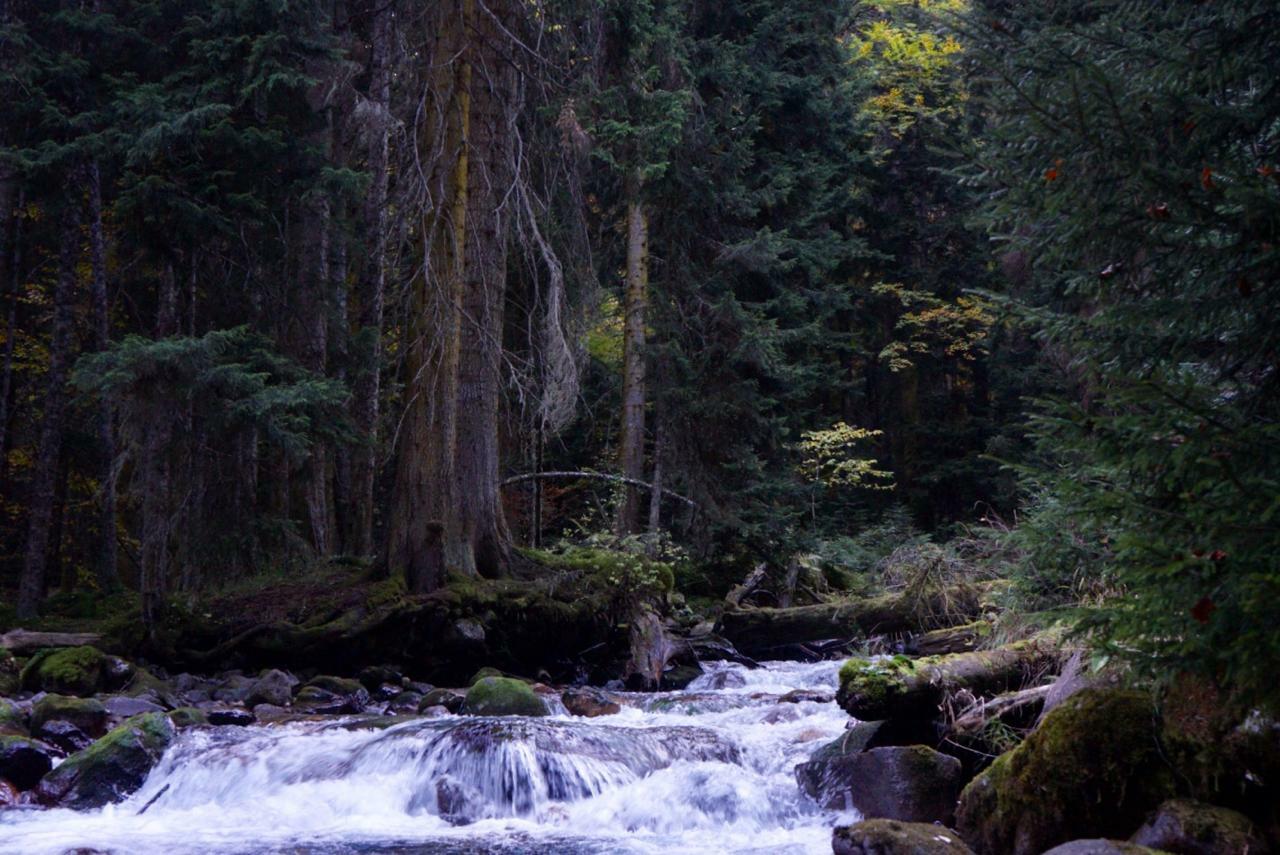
(9, 796)
(333, 695)
(1100, 846)
(482, 673)
(404, 703)
(80, 671)
(1092, 766)
(184, 717)
(12, 718)
(502, 696)
(88, 714)
(222, 714)
(272, 687)
(374, 677)
(120, 707)
(890, 837)
(24, 761)
(447, 698)
(111, 768)
(589, 703)
(268, 713)
(1189, 827)
(65, 735)
(801, 696)
(907, 783)
(456, 803)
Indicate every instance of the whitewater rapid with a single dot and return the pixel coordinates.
(705, 770)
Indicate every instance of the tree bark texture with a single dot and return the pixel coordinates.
(635, 308)
(106, 571)
(45, 472)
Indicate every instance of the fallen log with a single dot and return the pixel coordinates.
(21, 640)
(757, 630)
(955, 639)
(975, 719)
(876, 689)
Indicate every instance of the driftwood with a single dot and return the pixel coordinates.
(598, 476)
(873, 690)
(975, 719)
(21, 640)
(758, 630)
(734, 598)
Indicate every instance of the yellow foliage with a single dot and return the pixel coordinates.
(830, 461)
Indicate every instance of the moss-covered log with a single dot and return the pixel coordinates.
(874, 689)
(953, 639)
(758, 630)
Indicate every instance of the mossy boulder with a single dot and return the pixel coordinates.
(1102, 847)
(908, 783)
(24, 761)
(482, 673)
(1188, 827)
(81, 671)
(12, 719)
(87, 714)
(1094, 766)
(112, 768)
(10, 673)
(273, 687)
(503, 696)
(447, 698)
(890, 837)
(184, 717)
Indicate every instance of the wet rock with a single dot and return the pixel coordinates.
(184, 717)
(1187, 827)
(890, 837)
(457, 803)
(589, 703)
(9, 796)
(10, 673)
(65, 735)
(1102, 847)
(12, 718)
(374, 677)
(493, 696)
(24, 761)
(724, 680)
(405, 702)
(334, 695)
(800, 696)
(80, 671)
(273, 687)
(88, 714)
(219, 714)
(110, 769)
(268, 713)
(907, 783)
(119, 707)
(447, 698)
(433, 711)
(1092, 766)
(679, 677)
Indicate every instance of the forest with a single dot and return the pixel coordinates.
(872, 402)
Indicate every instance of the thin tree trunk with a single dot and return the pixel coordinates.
(105, 567)
(45, 473)
(479, 540)
(423, 501)
(314, 347)
(157, 474)
(12, 276)
(655, 494)
(372, 288)
(631, 444)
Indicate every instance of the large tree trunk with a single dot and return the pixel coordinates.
(423, 503)
(105, 567)
(45, 474)
(313, 348)
(10, 275)
(371, 287)
(480, 540)
(636, 301)
(157, 474)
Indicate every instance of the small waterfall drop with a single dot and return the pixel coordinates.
(705, 770)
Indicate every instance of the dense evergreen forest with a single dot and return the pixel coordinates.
(554, 335)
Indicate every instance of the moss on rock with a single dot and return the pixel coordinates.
(184, 717)
(12, 719)
(112, 768)
(503, 696)
(68, 671)
(1093, 767)
(482, 673)
(88, 714)
(1184, 825)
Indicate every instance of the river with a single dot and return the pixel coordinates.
(705, 770)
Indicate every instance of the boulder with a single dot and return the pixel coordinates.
(502, 696)
(1186, 827)
(802, 696)
(110, 769)
(269, 713)
(890, 837)
(332, 696)
(184, 717)
(273, 687)
(80, 671)
(908, 783)
(122, 707)
(375, 676)
(87, 714)
(24, 761)
(449, 699)
(482, 673)
(9, 796)
(10, 673)
(1093, 766)
(406, 702)
(65, 735)
(589, 703)
(12, 718)
(224, 715)
(1103, 847)
(677, 677)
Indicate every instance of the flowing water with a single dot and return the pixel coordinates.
(705, 770)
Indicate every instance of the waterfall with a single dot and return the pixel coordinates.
(708, 769)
